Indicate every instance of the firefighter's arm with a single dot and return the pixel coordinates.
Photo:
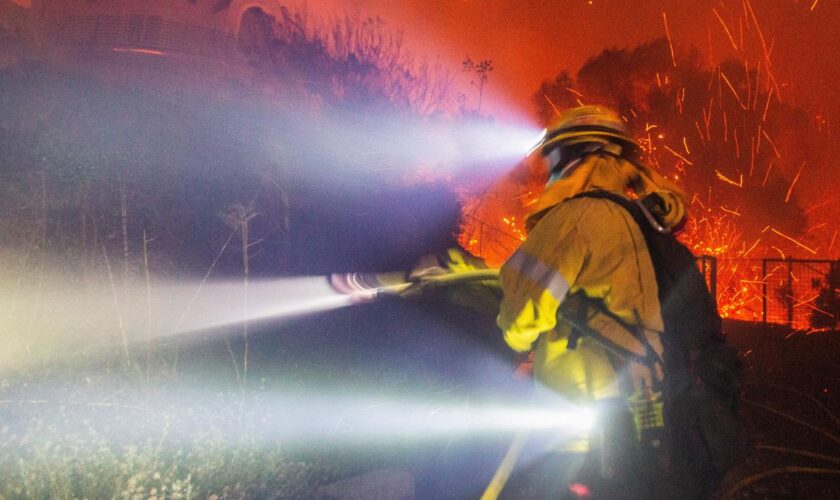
(537, 278)
(477, 293)
(454, 260)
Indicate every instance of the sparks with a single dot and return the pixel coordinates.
(725, 126)
(575, 92)
(668, 34)
(793, 183)
(727, 180)
(805, 301)
(734, 92)
(725, 28)
(818, 226)
(772, 144)
(681, 157)
(794, 241)
(551, 103)
(752, 247)
(767, 174)
(700, 133)
(757, 92)
(781, 253)
(767, 106)
(764, 48)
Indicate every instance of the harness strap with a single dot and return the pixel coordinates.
(578, 321)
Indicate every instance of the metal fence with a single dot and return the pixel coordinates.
(489, 241)
(142, 32)
(800, 293)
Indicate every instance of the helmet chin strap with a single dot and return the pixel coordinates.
(565, 171)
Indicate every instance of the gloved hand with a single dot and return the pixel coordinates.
(428, 265)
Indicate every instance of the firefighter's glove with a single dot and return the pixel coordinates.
(428, 265)
(422, 274)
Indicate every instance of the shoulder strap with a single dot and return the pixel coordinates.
(633, 208)
(688, 309)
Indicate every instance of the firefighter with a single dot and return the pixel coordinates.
(580, 294)
(585, 261)
(581, 250)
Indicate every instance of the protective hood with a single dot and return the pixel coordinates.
(611, 173)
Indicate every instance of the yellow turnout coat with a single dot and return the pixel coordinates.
(592, 247)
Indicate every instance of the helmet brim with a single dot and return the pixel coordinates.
(565, 136)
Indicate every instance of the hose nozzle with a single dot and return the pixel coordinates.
(364, 287)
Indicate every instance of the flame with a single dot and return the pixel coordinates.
(732, 118)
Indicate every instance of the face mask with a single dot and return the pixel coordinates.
(565, 171)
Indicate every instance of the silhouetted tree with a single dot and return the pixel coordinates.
(696, 126)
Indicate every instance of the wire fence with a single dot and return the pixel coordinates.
(801, 293)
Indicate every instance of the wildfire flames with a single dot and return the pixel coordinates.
(724, 144)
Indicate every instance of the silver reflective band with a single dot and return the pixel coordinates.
(541, 274)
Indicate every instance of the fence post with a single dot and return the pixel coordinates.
(713, 277)
(764, 291)
(789, 299)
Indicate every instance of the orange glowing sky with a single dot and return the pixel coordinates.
(530, 41)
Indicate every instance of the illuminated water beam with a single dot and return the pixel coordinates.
(184, 307)
(393, 145)
(62, 316)
(315, 419)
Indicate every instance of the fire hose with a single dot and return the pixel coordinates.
(366, 287)
(363, 287)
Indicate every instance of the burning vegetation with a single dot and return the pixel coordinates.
(751, 161)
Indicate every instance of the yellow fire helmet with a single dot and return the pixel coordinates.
(587, 123)
(579, 131)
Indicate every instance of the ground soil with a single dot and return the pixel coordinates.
(797, 374)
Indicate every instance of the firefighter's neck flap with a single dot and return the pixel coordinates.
(607, 172)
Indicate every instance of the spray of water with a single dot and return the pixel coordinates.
(307, 417)
(62, 316)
